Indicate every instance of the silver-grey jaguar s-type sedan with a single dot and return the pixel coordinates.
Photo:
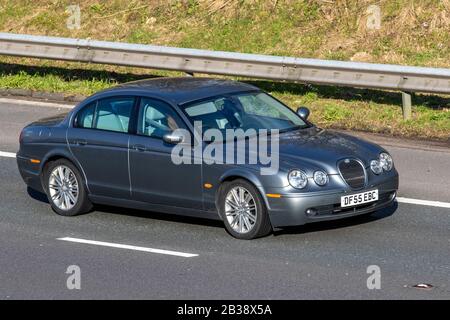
(164, 145)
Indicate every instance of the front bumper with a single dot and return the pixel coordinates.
(290, 209)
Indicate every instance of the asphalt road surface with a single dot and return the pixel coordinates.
(410, 243)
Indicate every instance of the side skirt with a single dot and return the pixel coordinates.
(154, 207)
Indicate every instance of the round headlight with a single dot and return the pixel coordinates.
(297, 179)
(386, 161)
(321, 178)
(376, 167)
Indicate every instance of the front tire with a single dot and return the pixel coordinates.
(65, 189)
(243, 210)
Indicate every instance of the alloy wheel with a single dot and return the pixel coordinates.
(63, 187)
(240, 210)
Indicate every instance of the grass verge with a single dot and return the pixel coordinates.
(409, 33)
(332, 107)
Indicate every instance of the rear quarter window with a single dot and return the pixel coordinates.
(85, 117)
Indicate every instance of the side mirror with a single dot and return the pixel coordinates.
(172, 138)
(303, 112)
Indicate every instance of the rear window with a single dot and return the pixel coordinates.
(111, 114)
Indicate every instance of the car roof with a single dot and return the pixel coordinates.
(182, 90)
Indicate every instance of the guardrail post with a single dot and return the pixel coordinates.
(406, 105)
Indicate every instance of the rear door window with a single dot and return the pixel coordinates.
(111, 114)
(114, 114)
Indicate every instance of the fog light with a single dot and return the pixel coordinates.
(311, 212)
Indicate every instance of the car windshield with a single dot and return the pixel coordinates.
(254, 110)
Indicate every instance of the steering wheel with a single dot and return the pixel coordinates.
(155, 124)
(232, 113)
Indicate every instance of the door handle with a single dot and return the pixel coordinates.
(80, 142)
(139, 147)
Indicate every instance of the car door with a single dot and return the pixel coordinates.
(154, 177)
(98, 139)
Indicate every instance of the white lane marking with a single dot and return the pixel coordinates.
(7, 154)
(424, 202)
(125, 246)
(36, 103)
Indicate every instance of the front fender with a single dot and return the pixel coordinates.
(239, 173)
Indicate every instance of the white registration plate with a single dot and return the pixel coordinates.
(359, 198)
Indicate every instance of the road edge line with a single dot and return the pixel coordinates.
(32, 103)
(429, 203)
(7, 154)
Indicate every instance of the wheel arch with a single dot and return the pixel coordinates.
(236, 174)
(61, 154)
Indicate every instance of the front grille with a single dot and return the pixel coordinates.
(353, 173)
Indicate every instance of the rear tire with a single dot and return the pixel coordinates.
(65, 188)
(243, 210)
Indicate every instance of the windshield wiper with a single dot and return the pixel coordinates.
(293, 128)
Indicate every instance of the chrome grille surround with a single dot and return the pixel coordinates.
(353, 173)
